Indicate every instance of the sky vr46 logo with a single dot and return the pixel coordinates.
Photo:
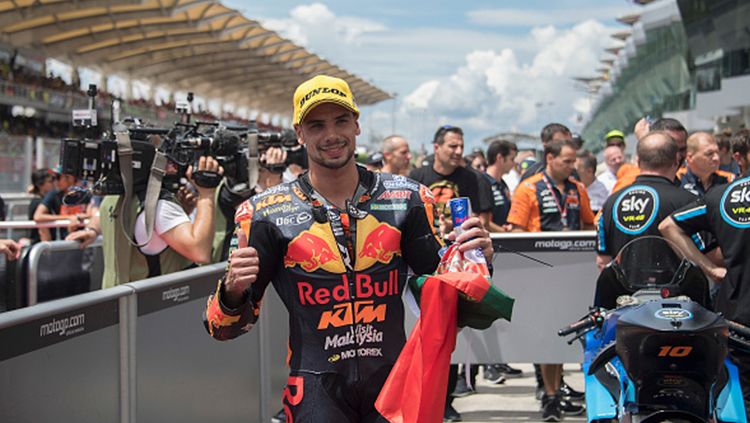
(735, 204)
(635, 209)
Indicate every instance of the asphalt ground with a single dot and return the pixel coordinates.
(514, 400)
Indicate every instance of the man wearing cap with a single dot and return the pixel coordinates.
(175, 242)
(374, 161)
(53, 208)
(615, 137)
(335, 243)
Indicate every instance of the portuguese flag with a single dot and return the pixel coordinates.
(415, 389)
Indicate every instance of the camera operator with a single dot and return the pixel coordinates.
(175, 243)
(230, 194)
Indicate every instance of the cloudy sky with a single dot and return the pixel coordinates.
(487, 66)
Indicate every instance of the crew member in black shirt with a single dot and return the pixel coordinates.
(725, 212)
(636, 210)
(501, 157)
(448, 179)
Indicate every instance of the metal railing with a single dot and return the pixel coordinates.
(35, 255)
(10, 226)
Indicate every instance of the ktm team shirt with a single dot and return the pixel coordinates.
(537, 208)
(340, 278)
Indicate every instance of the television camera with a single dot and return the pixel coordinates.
(96, 159)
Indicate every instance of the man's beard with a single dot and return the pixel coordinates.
(335, 165)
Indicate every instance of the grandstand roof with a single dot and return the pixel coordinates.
(195, 45)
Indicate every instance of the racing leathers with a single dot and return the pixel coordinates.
(340, 274)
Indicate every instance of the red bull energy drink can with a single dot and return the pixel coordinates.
(460, 212)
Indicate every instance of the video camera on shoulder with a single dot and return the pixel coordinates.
(94, 157)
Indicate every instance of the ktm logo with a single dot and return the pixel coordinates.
(272, 200)
(347, 314)
(298, 193)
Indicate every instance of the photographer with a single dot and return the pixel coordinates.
(175, 243)
(231, 193)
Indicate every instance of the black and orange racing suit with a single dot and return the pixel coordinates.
(340, 274)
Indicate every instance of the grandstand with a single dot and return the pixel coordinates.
(176, 46)
(179, 45)
(677, 58)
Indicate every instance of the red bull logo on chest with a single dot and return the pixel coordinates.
(315, 249)
(377, 242)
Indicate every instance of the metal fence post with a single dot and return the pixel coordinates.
(128, 311)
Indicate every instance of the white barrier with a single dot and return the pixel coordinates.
(139, 352)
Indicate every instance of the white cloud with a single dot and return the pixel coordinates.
(420, 98)
(494, 91)
(484, 81)
(540, 17)
(316, 26)
(397, 59)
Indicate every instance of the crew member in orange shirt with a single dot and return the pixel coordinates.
(553, 201)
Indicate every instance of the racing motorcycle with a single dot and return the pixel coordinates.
(653, 351)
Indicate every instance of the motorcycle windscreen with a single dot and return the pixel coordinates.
(647, 262)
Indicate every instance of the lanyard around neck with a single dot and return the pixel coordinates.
(563, 211)
(362, 194)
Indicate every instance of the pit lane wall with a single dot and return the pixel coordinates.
(547, 299)
(139, 352)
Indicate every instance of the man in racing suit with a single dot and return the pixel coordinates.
(336, 243)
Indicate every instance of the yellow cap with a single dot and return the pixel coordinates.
(322, 89)
(614, 133)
